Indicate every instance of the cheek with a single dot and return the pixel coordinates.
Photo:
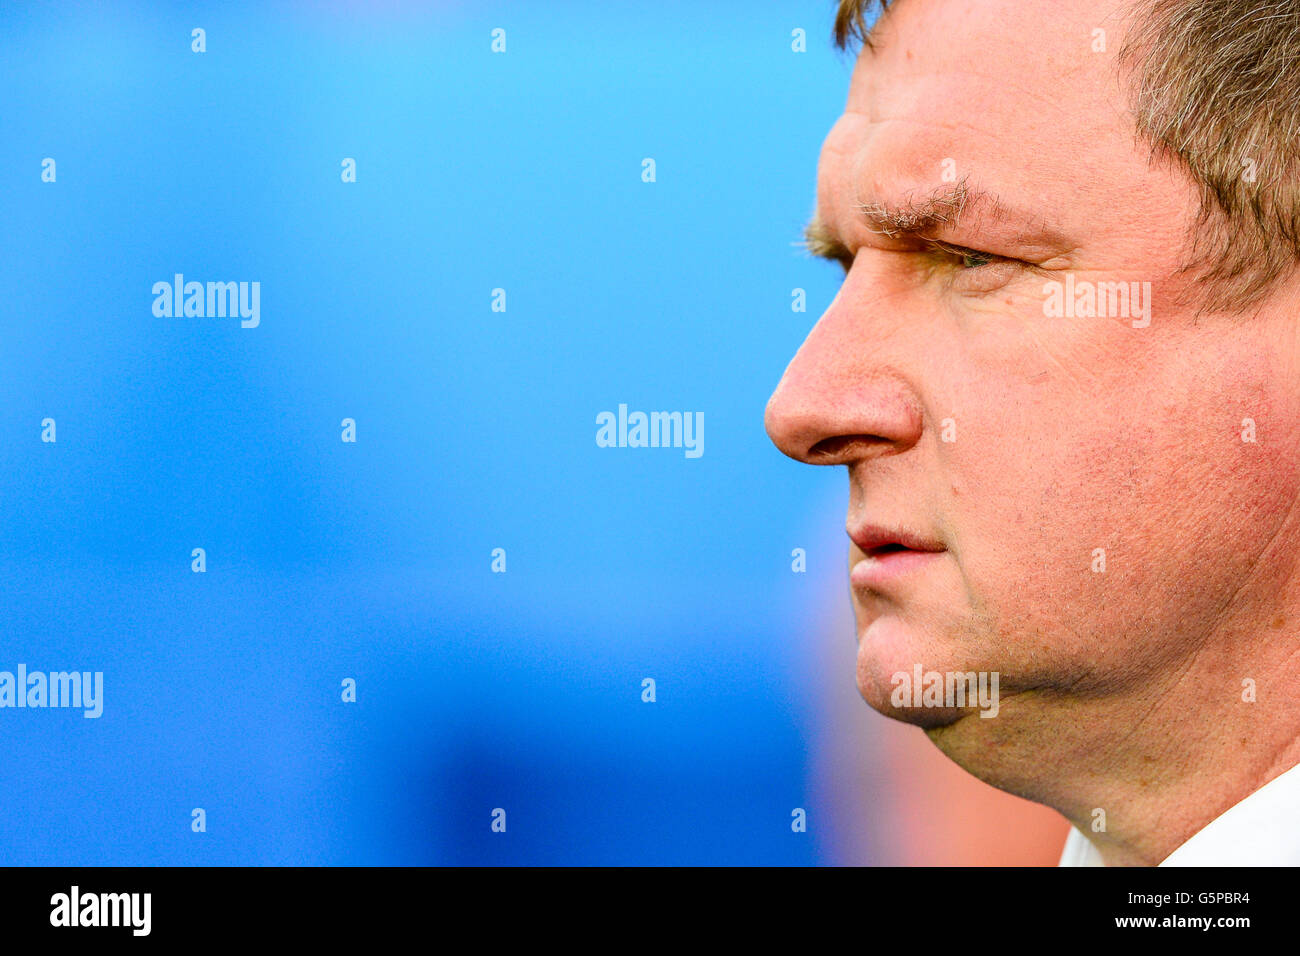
(1038, 502)
(1039, 470)
(1091, 508)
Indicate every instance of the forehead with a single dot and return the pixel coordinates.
(1022, 96)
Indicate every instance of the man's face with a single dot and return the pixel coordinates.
(1029, 448)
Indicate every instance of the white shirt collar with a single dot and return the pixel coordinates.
(1261, 830)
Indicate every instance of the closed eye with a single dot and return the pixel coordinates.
(973, 271)
(986, 271)
(968, 258)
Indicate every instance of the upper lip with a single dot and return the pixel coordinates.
(872, 538)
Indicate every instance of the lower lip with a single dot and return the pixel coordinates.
(876, 570)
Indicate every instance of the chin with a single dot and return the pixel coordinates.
(877, 691)
(907, 675)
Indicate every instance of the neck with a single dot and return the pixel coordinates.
(1159, 762)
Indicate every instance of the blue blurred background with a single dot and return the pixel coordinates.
(475, 430)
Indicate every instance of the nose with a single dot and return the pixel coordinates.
(845, 397)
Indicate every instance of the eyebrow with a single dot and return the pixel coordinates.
(819, 241)
(917, 216)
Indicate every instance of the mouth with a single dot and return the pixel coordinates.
(889, 554)
(881, 550)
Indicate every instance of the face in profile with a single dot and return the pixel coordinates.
(1063, 498)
